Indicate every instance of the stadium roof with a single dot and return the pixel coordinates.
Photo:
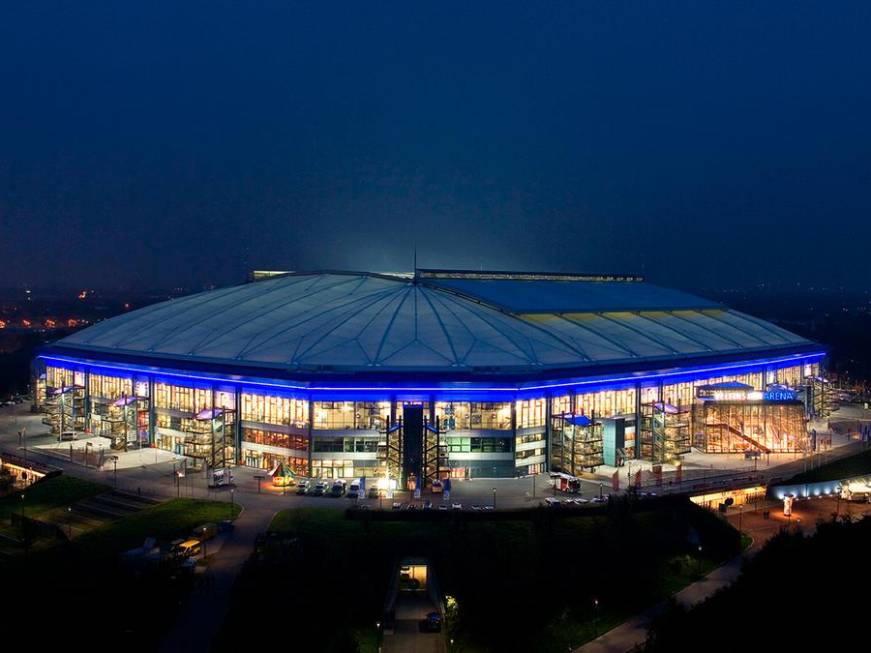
(444, 322)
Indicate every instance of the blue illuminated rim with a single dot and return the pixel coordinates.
(458, 389)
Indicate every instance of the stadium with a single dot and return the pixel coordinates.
(434, 374)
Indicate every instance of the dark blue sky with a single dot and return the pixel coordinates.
(701, 143)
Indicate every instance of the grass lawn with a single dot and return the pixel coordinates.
(46, 495)
(165, 521)
(857, 465)
(98, 596)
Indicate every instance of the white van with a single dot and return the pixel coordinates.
(354, 490)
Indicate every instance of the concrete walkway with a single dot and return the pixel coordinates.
(407, 637)
(203, 613)
(633, 632)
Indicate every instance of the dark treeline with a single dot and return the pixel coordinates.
(798, 594)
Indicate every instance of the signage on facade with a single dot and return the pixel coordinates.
(748, 394)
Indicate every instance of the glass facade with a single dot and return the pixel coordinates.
(733, 427)
(468, 415)
(351, 415)
(316, 436)
(271, 409)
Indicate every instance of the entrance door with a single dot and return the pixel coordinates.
(412, 448)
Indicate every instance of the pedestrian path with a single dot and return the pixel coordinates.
(203, 612)
(633, 632)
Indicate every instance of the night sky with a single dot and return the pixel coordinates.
(702, 144)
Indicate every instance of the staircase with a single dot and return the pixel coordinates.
(761, 447)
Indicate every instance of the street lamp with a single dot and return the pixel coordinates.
(232, 501)
(494, 498)
(24, 527)
(69, 522)
(596, 619)
(700, 559)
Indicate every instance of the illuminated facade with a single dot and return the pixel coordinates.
(440, 373)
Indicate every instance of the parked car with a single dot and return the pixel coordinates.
(437, 487)
(303, 487)
(375, 492)
(456, 506)
(338, 488)
(321, 488)
(432, 623)
(552, 502)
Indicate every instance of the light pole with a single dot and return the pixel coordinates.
(204, 542)
(232, 501)
(115, 470)
(24, 526)
(494, 498)
(596, 619)
(69, 522)
(700, 559)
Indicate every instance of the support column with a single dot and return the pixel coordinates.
(514, 433)
(152, 414)
(86, 403)
(548, 431)
(237, 428)
(311, 441)
(637, 452)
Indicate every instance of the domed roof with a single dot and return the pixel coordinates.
(432, 322)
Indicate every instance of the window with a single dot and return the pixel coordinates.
(59, 377)
(478, 445)
(351, 415)
(329, 444)
(332, 468)
(275, 439)
(266, 460)
(269, 409)
(530, 412)
(182, 398)
(462, 415)
(110, 387)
